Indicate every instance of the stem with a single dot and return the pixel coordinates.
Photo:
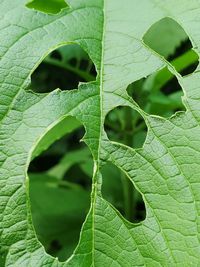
(83, 74)
(128, 189)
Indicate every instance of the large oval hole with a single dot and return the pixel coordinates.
(121, 193)
(60, 186)
(64, 68)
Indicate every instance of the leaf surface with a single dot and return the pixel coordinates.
(165, 171)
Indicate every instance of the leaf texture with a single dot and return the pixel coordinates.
(165, 171)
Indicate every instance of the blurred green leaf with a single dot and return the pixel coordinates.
(58, 209)
(74, 157)
(155, 81)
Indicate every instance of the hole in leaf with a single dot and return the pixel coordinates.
(63, 68)
(158, 94)
(60, 185)
(125, 125)
(167, 38)
(47, 6)
(49, 151)
(121, 193)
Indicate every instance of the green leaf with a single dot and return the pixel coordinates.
(165, 171)
(81, 156)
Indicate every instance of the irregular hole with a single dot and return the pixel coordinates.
(167, 38)
(121, 193)
(50, 6)
(158, 94)
(59, 205)
(63, 68)
(125, 125)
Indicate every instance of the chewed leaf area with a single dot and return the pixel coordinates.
(168, 39)
(60, 185)
(63, 68)
(47, 6)
(160, 93)
(87, 176)
(126, 126)
(118, 190)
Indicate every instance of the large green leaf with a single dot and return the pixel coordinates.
(165, 171)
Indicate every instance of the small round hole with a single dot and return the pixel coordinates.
(125, 125)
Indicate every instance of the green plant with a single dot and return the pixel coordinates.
(138, 86)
